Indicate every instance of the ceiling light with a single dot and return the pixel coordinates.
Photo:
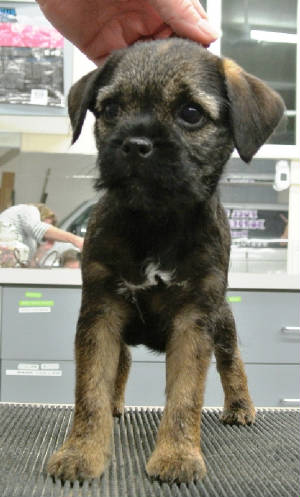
(272, 36)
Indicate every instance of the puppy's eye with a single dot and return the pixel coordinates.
(191, 114)
(110, 110)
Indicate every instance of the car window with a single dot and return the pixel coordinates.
(79, 226)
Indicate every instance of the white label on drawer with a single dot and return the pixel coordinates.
(30, 372)
(52, 365)
(28, 366)
(34, 309)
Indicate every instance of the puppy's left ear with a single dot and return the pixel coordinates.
(255, 109)
(82, 95)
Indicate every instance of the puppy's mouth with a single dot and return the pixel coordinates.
(150, 171)
(155, 194)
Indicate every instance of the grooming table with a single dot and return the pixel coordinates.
(253, 461)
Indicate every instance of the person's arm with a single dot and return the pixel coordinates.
(59, 235)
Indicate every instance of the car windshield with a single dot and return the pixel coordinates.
(79, 226)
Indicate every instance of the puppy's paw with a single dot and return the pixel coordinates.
(118, 408)
(171, 466)
(118, 411)
(76, 463)
(239, 413)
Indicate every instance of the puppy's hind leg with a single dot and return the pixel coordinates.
(86, 452)
(121, 379)
(238, 406)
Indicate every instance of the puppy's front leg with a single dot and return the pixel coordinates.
(87, 450)
(177, 456)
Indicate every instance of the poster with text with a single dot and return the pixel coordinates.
(31, 57)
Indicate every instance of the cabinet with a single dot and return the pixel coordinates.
(37, 348)
(262, 38)
(258, 213)
(268, 334)
(37, 343)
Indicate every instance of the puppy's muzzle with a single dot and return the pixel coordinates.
(137, 148)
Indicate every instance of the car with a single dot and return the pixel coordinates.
(258, 231)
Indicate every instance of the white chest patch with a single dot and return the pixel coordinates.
(153, 276)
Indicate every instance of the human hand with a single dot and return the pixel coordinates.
(59, 235)
(97, 27)
(77, 241)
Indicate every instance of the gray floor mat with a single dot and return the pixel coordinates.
(254, 461)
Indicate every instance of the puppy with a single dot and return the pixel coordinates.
(155, 259)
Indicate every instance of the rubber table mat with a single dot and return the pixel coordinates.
(261, 460)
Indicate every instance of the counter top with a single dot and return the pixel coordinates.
(45, 277)
(72, 277)
(263, 281)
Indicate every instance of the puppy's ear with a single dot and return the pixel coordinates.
(255, 109)
(82, 95)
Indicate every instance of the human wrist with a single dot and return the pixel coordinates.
(73, 238)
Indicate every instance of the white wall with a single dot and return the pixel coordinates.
(65, 192)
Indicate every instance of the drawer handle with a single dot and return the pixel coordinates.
(290, 330)
(290, 401)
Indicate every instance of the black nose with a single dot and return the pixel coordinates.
(137, 147)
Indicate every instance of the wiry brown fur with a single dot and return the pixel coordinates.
(156, 254)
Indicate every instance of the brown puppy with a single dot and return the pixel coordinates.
(155, 260)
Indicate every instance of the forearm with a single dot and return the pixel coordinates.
(59, 235)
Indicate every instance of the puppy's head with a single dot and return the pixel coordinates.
(168, 115)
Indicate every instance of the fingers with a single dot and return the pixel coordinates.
(197, 5)
(163, 32)
(187, 18)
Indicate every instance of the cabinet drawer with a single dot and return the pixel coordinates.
(269, 385)
(146, 384)
(51, 382)
(34, 334)
(264, 321)
(39, 323)
(260, 318)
